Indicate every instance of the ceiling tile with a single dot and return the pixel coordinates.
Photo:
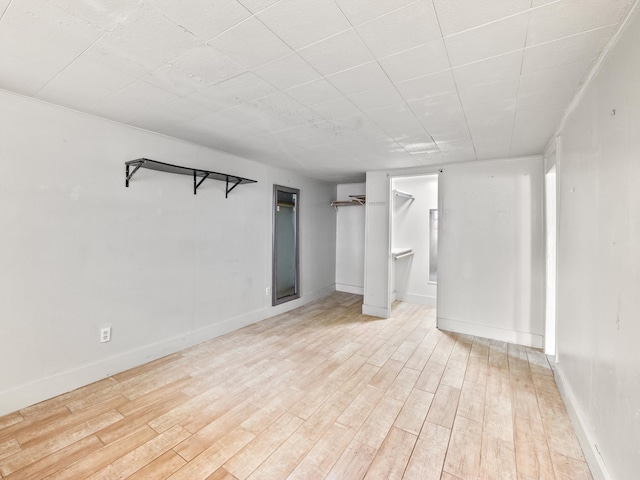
(207, 64)
(417, 62)
(489, 148)
(569, 17)
(546, 98)
(21, 75)
(112, 53)
(340, 52)
(427, 86)
(489, 92)
(360, 11)
(154, 35)
(175, 80)
(489, 71)
(244, 114)
(303, 22)
(105, 17)
(257, 5)
(72, 92)
(287, 72)
(334, 109)
(214, 98)
(143, 93)
(185, 109)
(281, 106)
(380, 98)
(565, 77)
(250, 43)
(533, 130)
(397, 122)
(459, 15)
(567, 50)
(44, 34)
(401, 29)
(203, 18)
(360, 79)
(116, 109)
(318, 91)
(488, 41)
(246, 87)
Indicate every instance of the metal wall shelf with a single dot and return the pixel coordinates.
(196, 173)
(353, 200)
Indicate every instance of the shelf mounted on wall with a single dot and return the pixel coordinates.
(198, 174)
(353, 200)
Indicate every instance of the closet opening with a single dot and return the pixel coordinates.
(414, 239)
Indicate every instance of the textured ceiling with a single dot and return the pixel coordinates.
(327, 88)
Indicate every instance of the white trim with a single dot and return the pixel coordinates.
(63, 382)
(510, 336)
(577, 98)
(355, 289)
(419, 299)
(374, 311)
(595, 461)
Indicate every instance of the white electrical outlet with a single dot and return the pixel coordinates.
(268, 291)
(105, 334)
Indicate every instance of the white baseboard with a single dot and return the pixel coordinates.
(510, 336)
(589, 449)
(393, 297)
(375, 311)
(42, 389)
(341, 287)
(419, 299)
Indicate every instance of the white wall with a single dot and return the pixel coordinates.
(166, 269)
(491, 250)
(598, 292)
(411, 230)
(350, 241)
(377, 254)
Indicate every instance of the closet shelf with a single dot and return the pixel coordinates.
(196, 173)
(353, 200)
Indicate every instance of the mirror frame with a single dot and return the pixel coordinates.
(274, 300)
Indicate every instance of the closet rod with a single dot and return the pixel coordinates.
(405, 253)
(399, 193)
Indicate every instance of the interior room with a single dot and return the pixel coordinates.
(342, 239)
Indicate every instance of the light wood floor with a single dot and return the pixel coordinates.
(320, 392)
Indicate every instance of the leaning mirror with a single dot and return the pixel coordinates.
(286, 264)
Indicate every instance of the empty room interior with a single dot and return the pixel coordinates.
(320, 239)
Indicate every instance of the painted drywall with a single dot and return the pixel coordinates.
(163, 267)
(598, 284)
(410, 230)
(491, 250)
(377, 254)
(551, 228)
(350, 241)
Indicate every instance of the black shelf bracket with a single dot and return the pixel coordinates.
(197, 184)
(196, 173)
(129, 175)
(228, 190)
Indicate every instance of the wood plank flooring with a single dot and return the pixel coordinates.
(319, 392)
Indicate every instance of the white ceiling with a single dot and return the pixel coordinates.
(327, 88)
